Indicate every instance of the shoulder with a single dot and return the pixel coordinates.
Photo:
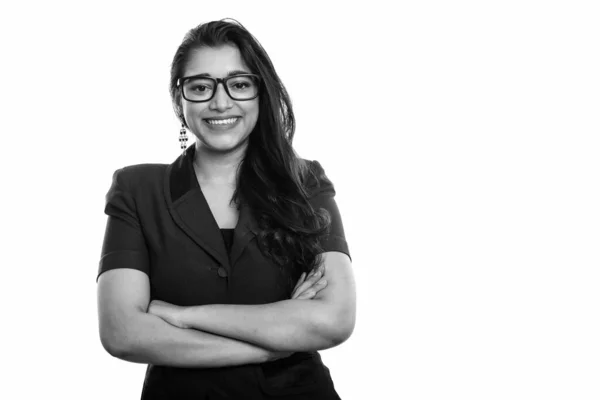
(314, 177)
(140, 175)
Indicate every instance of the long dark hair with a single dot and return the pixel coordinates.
(273, 180)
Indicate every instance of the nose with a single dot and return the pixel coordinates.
(221, 101)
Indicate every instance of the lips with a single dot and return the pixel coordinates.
(221, 121)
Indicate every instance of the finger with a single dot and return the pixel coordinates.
(322, 284)
(318, 272)
(313, 277)
(310, 282)
(295, 292)
(283, 355)
(303, 287)
(300, 280)
(314, 289)
(306, 295)
(317, 287)
(303, 283)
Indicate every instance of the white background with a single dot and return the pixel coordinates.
(461, 137)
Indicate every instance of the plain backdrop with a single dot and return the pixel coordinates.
(462, 140)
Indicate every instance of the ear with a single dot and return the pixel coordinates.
(177, 106)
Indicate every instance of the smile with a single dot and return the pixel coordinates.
(227, 121)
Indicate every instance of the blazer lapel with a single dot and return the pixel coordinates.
(190, 211)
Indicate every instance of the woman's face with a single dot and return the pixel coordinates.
(202, 118)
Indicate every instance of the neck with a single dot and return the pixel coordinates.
(217, 168)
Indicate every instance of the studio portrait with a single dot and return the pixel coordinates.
(227, 270)
(317, 200)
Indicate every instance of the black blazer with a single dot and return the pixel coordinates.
(159, 222)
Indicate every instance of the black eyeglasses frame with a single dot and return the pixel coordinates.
(181, 81)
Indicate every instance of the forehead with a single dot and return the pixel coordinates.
(215, 61)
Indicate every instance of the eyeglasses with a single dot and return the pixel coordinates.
(198, 89)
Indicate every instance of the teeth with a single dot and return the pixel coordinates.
(221, 121)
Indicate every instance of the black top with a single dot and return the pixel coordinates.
(159, 222)
(227, 237)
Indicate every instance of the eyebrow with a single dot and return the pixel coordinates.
(230, 73)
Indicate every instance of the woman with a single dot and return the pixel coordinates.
(227, 270)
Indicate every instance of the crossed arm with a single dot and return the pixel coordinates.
(225, 335)
(137, 330)
(289, 325)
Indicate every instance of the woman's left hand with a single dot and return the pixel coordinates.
(171, 313)
(307, 287)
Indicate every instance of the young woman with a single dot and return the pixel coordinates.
(227, 270)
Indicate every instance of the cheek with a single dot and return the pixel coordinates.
(186, 113)
(192, 112)
(253, 111)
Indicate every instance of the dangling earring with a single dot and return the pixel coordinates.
(183, 137)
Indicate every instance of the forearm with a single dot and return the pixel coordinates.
(151, 340)
(288, 325)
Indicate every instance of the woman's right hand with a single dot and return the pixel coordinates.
(272, 355)
(307, 287)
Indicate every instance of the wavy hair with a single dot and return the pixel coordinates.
(273, 180)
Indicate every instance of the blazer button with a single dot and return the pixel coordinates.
(222, 272)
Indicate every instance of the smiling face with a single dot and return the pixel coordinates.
(221, 123)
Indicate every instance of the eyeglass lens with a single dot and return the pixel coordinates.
(239, 88)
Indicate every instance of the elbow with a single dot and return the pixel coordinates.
(118, 338)
(113, 344)
(343, 330)
(339, 328)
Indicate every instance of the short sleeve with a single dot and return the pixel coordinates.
(322, 196)
(124, 245)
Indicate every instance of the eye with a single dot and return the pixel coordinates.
(241, 85)
(199, 88)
